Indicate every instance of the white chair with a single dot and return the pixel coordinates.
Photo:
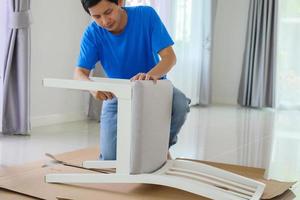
(144, 116)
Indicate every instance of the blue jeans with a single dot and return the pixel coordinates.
(108, 126)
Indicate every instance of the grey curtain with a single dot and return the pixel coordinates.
(16, 116)
(257, 85)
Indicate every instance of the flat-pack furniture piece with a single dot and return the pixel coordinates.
(143, 127)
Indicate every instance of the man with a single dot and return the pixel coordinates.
(128, 42)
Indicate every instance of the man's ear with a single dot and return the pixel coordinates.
(120, 3)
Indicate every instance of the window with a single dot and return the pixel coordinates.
(288, 85)
(183, 20)
(138, 2)
(182, 10)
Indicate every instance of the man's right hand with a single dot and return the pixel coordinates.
(102, 95)
(83, 75)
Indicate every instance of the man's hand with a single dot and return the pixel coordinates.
(102, 95)
(83, 75)
(144, 76)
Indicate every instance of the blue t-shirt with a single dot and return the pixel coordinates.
(133, 51)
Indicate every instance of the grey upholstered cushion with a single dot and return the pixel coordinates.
(151, 119)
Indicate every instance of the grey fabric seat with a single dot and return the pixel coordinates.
(151, 120)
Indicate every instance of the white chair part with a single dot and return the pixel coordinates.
(135, 163)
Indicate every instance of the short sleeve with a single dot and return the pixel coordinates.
(160, 37)
(88, 55)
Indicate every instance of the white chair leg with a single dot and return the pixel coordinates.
(97, 164)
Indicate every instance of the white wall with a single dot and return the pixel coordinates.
(56, 31)
(228, 49)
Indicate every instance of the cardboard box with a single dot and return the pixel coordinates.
(28, 179)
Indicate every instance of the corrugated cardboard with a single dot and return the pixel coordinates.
(29, 179)
(10, 195)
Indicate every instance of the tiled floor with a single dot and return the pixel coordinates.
(249, 137)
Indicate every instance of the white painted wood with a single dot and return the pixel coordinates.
(211, 182)
(175, 182)
(124, 136)
(190, 176)
(163, 177)
(97, 164)
(121, 88)
(196, 166)
(212, 177)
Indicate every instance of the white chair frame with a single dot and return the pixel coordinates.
(194, 177)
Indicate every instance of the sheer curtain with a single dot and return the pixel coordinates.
(288, 84)
(190, 24)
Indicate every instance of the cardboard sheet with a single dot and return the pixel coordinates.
(11, 195)
(29, 179)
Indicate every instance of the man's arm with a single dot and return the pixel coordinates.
(168, 60)
(83, 75)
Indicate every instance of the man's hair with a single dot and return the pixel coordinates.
(90, 3)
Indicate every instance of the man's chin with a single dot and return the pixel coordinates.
(111, 29)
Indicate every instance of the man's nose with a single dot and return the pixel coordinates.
(105, 21)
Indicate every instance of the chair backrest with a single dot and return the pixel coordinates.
(151, 120)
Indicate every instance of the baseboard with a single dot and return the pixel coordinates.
(57, 119)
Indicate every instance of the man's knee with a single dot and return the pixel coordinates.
(180, 106)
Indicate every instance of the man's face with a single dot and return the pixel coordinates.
(107, 15)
